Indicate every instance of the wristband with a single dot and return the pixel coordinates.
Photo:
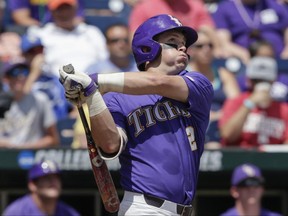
(111, 82)
(96, 104)
(249, 104)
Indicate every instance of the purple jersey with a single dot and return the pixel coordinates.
(25, 206)
(234, 212)
(268, 18)
(165, 139)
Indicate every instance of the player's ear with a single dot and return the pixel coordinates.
(234, 192)
(32, 186)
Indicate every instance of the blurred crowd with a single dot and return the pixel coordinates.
(242, 48)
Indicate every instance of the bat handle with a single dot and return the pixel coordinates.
(69, 69)
(83, 118)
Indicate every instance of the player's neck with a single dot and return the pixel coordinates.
(47, 206)
(248, 209)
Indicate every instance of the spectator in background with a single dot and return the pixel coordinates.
(261, 48)
(30, 121)
(27, 13)
(66, 40)
(254, 118)
(240, 22)
(9, 46)
(279, 89)
(224, 83)
(37, 80)
(44, 184)
(247, 189)
(191, 13)
(120, 53)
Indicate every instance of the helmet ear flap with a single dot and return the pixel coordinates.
(146, 50)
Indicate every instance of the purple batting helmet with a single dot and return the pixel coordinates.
(43, 168)
(145, 34)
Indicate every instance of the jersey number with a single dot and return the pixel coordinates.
(191, 138)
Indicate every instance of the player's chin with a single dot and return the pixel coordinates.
(52, 194)
(181, 65)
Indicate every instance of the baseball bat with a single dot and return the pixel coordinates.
(100, 170)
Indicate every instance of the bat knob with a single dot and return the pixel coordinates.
(68, 69)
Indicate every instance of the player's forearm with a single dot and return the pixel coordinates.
(144, 83)
(104, 132)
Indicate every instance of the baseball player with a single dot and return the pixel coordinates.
(154, 120)
(45, 186)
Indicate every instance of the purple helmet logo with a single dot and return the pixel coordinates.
(146, 32)
(43, 168)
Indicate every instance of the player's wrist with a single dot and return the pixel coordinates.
(96, 104)
(94, 77)
(111, 82)
(90, 89)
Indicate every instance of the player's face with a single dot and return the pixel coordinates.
(250, 195)
(173, 58)
(48, 186)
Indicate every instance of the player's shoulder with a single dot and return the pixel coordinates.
(230, 212)
(65, 209)
(195, 76)
(18, 206)
(266, 212)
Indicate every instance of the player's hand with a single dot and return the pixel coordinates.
(78, 86)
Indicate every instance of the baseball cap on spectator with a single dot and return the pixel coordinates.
(54, 4)
(14, 69)
(262, 68)
(43, 168)
(29, 42)
(247, 175)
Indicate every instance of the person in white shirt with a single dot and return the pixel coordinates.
(65, 40)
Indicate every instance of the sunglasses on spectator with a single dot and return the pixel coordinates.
(18, 71)
(200, 46)
(116, 40)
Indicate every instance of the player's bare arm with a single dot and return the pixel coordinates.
(140, 83)
(105, 132)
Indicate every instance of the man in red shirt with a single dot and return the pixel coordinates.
(190, 12)
(254, 118)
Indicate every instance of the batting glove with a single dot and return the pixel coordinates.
(78, 86)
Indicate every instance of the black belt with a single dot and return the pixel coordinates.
(158, 202)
